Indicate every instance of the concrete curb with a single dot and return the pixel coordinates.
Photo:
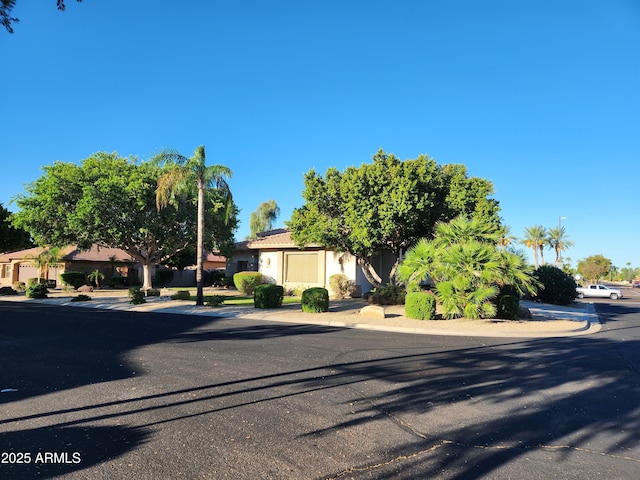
(586, 319)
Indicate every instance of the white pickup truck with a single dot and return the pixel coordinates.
(599, 291)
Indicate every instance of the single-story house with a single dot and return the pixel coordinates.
(281, 261)
(19, 266)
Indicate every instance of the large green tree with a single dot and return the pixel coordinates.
(111, 201)
(594, 267)
(386, 206)
(467, 265)
(191, 177)
(263, 218)
(6, 7)
(11, 238)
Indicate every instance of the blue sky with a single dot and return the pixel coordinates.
(541, 97)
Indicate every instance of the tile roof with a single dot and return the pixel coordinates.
(278, 238)
(71, 253)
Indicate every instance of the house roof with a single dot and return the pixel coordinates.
(71, 253)
(274, 239)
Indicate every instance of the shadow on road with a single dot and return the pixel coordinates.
(580, 390)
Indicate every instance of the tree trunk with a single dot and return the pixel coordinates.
(370, 272)
(146, 275)
(200, 247)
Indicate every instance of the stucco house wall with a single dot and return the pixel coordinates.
(276, 256)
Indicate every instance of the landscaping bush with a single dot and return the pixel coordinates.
(136, 295)
(7, 291)
(34, 281)
(340, 285)
(20, 287)
(558, 287)
(315, 300)
(81, 298)
(73, 279)
(215, 300)
(181, 295)
(420, 306)
(246, 282)
(508, 307)
(268, 296)
(118, 281)
(388, 295)
(162, 278)
(213, 277)
(37, 290)
(507, 303)
(152, 292)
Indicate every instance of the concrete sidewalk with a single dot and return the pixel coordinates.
(548, 320)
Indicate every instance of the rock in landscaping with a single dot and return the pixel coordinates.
(85, 288)
(372, 311)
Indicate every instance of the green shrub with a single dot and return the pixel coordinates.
(118, 281)
(136, 295)
(20, 287)
(268, 296)
(558, 287)
(7, 291)
(34, 281)
(420, 305)
(181, 295)
(388, 295)
(162, 278)
(73, 279)
(226, 281)
(37, 290)
(246, 282)
(81, 298)
(152, 292)
(213, 277)
(340, 285)
(215, 300)
(315, 300)
(508, 307)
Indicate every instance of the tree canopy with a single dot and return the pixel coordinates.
(111, 201)
(263, 217)
(11, 238)
(594, 267)
(6, 7)
(386, 206)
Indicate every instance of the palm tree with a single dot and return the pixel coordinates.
(467, 267)
(181, 178)
(559, 241)
(535, 237)
(48, 257)
(96, 276)
(506, 238)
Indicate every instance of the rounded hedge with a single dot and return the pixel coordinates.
(315, 300)
(558, 287)
(420, 306)
(246, 282)
(268, 296)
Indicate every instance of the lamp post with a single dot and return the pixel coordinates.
(559, 246)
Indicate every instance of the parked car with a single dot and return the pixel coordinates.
(636, 284)
(599, 291)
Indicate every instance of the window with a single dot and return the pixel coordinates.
(301, 267)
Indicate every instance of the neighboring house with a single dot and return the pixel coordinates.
(276, 256)
(18, 266)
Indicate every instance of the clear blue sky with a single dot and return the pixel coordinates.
(542, 97)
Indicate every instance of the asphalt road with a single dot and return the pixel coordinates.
(107, 395)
